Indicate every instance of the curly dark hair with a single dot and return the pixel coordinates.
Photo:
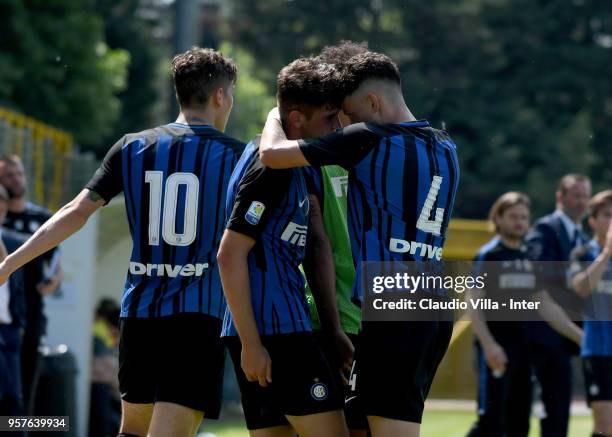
(341, 53)
(198, 72)
(307, 84)
(368, 65)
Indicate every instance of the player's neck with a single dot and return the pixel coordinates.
(196, 116)
(401, 114)
(17, 204)
(512, 243)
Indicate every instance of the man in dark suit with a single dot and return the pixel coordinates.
(552, 238)
(12, 321)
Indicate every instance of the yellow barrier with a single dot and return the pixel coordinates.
(44, 150)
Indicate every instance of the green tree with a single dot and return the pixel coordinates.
(125, 28)
(56, 66)
(522, 86)
(252, 98)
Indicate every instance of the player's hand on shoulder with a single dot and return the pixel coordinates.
(256, 364)
(496, 358)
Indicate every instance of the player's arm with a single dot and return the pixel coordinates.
(234, 270)
(69, 219)
(556, 317)
(321, 274)
(344, 147)
(275, 150)
(586, 280)
(259, 193)
(106, 183)
(494, 353)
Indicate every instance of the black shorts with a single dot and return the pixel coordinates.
(598, 378)
(302, 381)
(332, 356)
(177, 359)
(395, 364)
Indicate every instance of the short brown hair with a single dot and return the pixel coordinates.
(504, 203)
(337, 55)
(368, 65)
(307, 84)
(600, 201)
(570, 179)
(198, 72)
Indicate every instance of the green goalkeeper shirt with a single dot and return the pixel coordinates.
(330, 185)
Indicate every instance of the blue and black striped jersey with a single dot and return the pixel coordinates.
(174, 179)
(271, 206)
(402, 183)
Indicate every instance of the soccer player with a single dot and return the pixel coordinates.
(174, 178)
(592, 277)
(403, 176)
(42, 277)
(286, 384)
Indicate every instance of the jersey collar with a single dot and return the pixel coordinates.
(416, 123)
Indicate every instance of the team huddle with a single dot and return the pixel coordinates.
(257, 249)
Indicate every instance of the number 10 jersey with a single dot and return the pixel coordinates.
(174, 179)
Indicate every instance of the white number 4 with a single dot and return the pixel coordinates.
(424, 224)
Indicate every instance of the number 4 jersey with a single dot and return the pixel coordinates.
(402, 183)
(174, 179)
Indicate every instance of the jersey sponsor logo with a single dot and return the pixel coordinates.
(254, 213)
(594, 390)
(398, 245)
(340, 185)
(319, 391)
(295, 234)
(169, 270)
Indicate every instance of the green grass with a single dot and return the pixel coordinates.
(435, 424)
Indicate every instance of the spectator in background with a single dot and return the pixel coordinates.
(26, 217)
(552, 238)
(12, 319)
(105, 405)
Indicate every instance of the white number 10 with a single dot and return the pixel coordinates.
(424, 224)
(170, 202)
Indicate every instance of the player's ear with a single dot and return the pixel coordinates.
(374, 103)
(295, 119)
(219, 96)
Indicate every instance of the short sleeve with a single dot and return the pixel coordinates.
(344, 147)
(107, 181)
(260, 191)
